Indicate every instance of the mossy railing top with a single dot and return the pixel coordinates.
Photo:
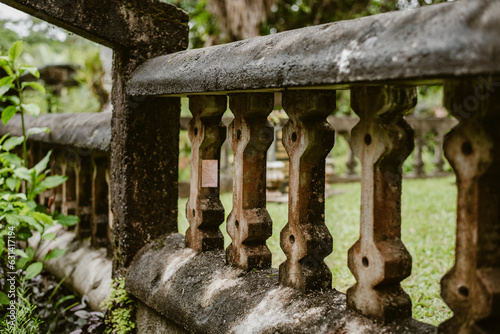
(424, 45)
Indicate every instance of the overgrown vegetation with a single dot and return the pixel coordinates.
(20, 216)
(48, 45)
(219, 21)
(120, 308)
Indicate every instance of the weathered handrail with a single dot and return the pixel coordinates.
(85, 131)
(425, 45)
(81, 149)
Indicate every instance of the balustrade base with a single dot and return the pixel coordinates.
(86, 271)
(201, 294)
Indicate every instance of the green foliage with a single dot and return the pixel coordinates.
(120, 309)
(202, 24)
(284, 15)
(46, 44)
(20, 216)
(26, 321)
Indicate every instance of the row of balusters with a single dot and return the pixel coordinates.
(382, 140)
(85, 192)
(428, 133)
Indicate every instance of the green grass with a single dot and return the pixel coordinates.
(428, 231)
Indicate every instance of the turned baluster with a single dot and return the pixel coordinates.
(249, 223)
(83, 197)
(379, 260)
(204, 210)
(100, 202)
(438, 154)
(305, 239)
(58, 167)
(351, 158)
(418, 163)
(472, 287)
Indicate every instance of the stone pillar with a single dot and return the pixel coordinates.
(472, 287)
(379, 260)
(249, 223)
(144, 147)
(204, 210)
(305, 239)
(144, 170)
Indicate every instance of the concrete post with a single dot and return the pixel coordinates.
(249, 223)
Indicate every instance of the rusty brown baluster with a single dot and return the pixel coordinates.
(305, 239)
(379, 260)
(58, 167)
(66, 186)
(418, 162)
(83, 198)
(100, 202)
(472, 287)
(438, 154)
(351, 159)
(204, 210)
(249, 223)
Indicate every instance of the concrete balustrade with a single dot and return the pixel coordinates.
(193, 285)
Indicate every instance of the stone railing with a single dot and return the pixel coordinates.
(80, 145)
(80, 150)
(192, 284)
(381, 59)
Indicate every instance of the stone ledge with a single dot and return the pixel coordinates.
(202, 294)
(87, 131)
(423, 45)
(87, 270)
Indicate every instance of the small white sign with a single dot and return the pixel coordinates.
(209, 173)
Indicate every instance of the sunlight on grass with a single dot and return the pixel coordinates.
(428, 231)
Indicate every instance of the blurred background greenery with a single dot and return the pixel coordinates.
(211, 22)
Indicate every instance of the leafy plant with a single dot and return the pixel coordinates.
(88, 321)
(24, 319)
(20, 216)
(12, 82)
(120, 308)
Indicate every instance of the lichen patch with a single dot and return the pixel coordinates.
(176, 262)
(220, 281)
(269, 313)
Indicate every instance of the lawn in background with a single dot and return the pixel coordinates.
(428, 231)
